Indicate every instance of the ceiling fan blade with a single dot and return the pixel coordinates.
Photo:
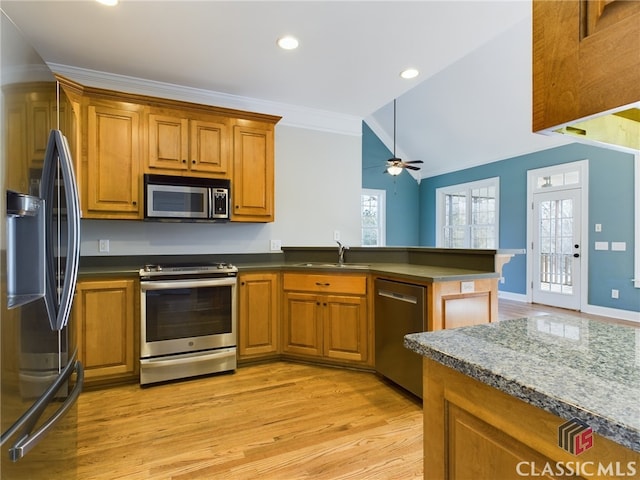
(411, 167)
(414, 161)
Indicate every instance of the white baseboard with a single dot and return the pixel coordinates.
(590, 309)
(516, 297)
(613, 312)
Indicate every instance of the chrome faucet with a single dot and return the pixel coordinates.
(341, 249)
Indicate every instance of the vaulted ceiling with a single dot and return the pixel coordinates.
(470, 105)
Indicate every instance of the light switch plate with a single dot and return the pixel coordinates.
(602, 246)
(619, 246)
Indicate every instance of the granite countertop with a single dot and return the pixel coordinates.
(569, 366)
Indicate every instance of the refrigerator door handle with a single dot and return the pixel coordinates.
(29, 418)
(30, 440)
(59, 299)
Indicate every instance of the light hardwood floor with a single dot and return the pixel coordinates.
(270, 421)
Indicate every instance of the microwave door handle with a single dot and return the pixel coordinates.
(30, 440)
(212, 207)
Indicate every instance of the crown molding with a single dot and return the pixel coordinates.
(292, 115)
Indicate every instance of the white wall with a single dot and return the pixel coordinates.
(317, 184)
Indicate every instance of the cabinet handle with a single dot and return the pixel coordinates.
(134, 202)
(193, 161)
(320, 284)
(237, 206)
(184, 161)
(242, 283)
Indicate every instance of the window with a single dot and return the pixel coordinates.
(372, 212)
(467, 215)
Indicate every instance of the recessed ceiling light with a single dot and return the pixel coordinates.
(109, 3)
(288, 42)
(409, 73)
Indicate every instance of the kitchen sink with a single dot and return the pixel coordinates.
(332, 265)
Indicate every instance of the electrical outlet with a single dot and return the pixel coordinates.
(615, 293)
(336, 235)
(103, 246)
(276, 245)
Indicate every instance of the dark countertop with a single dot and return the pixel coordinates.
(409, 263)
(569, 366)
(418, 273)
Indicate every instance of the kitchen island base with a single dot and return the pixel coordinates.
(474, 431)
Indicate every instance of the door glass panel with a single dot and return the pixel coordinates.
(556, 246)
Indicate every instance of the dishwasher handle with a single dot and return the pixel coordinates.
(398, 296)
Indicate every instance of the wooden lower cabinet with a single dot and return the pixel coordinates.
(478, 432)
(107, 322)
(327, 317)
(258, 315)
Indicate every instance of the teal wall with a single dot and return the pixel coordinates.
(611, 194)
(403, 221)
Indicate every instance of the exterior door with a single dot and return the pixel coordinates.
(556, 248)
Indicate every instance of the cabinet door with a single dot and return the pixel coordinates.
(302, 324)
(345, 327)
(112, 189)
(253, 171)
(15, 148)
(168, 142)
(106, 321)
(585, 58)
(209, 147)
(258, 314)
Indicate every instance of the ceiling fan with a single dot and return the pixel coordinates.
(395, 165)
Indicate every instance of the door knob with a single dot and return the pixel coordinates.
(576, 255)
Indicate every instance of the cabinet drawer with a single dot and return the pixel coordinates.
(353, 284)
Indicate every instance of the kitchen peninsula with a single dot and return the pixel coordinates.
(545, 396)
(461, 289)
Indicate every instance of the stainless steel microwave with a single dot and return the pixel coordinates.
(190, 199)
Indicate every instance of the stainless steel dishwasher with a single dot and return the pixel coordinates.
(399, 310)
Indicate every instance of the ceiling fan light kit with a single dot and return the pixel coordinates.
(394, 170)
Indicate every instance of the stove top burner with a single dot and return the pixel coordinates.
(214, 269)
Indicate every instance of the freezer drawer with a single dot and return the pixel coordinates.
(399, 310)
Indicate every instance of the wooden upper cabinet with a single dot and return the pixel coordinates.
(179, 144)
(32, 111)
(117, 130)
(111, 181)
(252, 190)
(586, 58)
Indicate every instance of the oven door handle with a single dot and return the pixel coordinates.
(188, 359)
(208, 282)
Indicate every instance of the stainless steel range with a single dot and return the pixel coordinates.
(188, 315)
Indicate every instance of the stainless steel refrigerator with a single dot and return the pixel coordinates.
(41, 378)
